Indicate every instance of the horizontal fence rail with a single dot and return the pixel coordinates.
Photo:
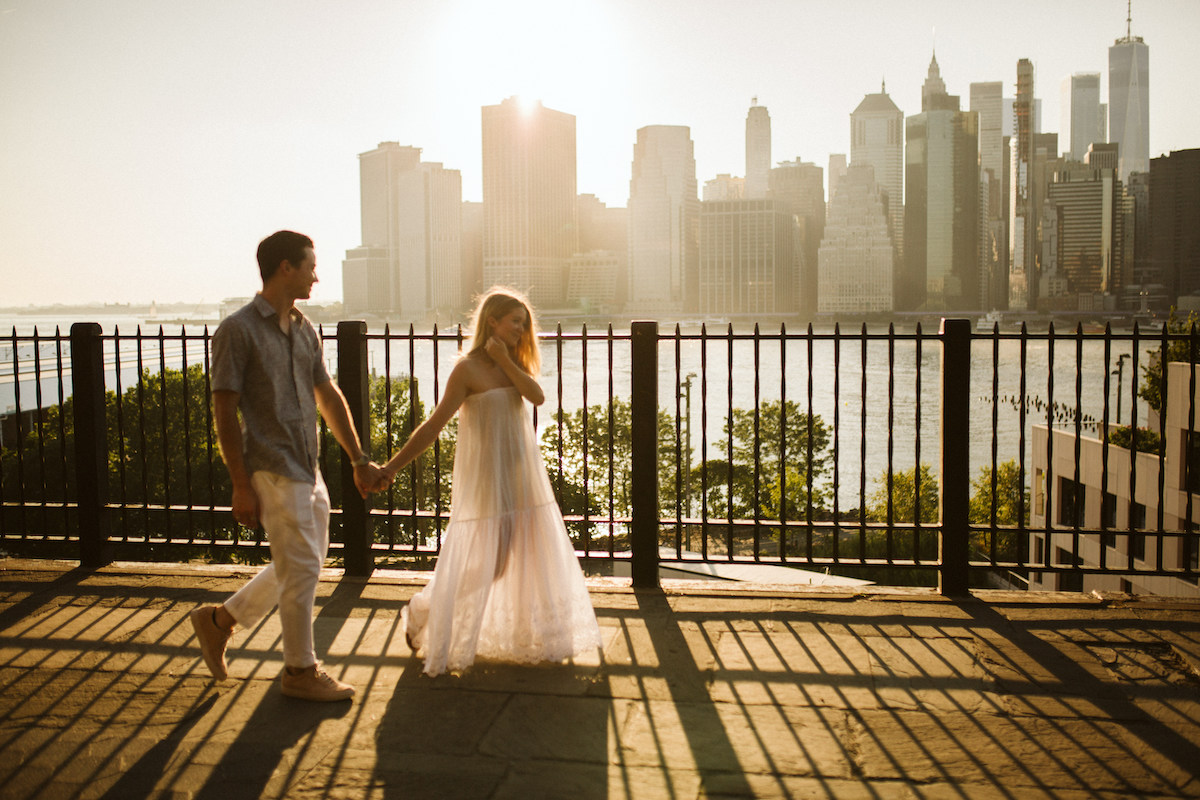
(954, 457)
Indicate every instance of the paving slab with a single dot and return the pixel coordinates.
(699, 691)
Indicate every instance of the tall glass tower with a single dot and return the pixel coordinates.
(1129, 101)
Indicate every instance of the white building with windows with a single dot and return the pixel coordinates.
(856, 260)
(1103, 507)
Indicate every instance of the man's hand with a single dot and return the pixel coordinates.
(367, 478)
(385, 480)
(245, 505)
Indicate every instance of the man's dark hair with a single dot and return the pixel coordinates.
(279, 247)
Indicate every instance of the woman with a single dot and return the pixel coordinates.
(507, 585)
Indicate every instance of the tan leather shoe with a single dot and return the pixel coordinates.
(213, 639)
(314, 684)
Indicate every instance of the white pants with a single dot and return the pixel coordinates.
(295, 516)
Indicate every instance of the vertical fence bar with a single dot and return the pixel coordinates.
(91, 453)
(357, 529)
(955, 478)
(644, 467)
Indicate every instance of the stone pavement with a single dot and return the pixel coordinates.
(702, 690)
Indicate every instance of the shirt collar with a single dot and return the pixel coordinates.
(265, 309)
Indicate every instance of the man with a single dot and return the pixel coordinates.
(267, 364)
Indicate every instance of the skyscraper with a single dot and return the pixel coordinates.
(799, 189)
(987, 100)
(837, 168)
(410, 262)
(664, 218)
(1174, 209)
(1021, 281)
(1082, 122)
(877, 140)
(529, 205)
(747, 258)
(856, 259)
(758, 150)
(1129, 101)
(724, 187)
(941, 216)
(1083, 214)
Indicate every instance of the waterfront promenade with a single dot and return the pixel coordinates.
(702, 690)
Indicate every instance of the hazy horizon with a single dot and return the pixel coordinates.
(148, 147)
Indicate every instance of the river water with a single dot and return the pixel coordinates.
(907, 424)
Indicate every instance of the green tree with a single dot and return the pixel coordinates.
(786, 458)
(1010, 497)
(424, 485)
(905, 494)
(162, 454)
(1177, 349)
(1144, 440)
(589, 454)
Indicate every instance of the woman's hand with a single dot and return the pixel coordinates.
(497, 350)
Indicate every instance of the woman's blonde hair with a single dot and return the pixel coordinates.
(497, 302)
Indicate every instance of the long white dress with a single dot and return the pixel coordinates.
(507, 585)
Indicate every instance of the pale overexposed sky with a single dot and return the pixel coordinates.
(147, 146)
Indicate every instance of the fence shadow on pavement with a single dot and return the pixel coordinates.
(698, 689)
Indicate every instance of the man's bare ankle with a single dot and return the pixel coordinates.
(223, 619)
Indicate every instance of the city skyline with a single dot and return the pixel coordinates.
(157, 145)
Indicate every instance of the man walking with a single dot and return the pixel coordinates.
(267, 364)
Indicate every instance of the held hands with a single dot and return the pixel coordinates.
(370, 477)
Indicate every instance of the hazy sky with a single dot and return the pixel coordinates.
(146, 146)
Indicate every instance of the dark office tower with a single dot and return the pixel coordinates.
(1082, 222)
(1143, 288)
(941, 215)
(1021, 277)
(1129, 100)
(758, 150)
(529, 227)
(1175, 221)
(799, 188)
(747, 258)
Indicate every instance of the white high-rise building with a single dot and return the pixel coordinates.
(877, 140)
(410, 262)
(1129, 101)
(758, 150)
(856, 262)
(530, 230)
(1082, 123)
(664, 218)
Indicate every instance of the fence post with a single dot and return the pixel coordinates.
(91, 443)
(955, 477)
(644, 467)
(357, 529)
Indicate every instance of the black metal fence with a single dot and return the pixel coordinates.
(895, 456)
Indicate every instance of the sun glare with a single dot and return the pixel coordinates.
(528, 103)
